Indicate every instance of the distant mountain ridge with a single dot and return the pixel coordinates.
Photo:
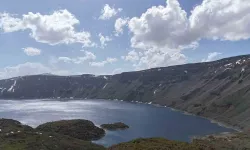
(219, 90)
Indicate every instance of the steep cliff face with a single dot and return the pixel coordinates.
(219, 90)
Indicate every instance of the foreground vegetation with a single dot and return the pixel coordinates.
(76, 135)
(80, 129)
(230, 141)
(154, 144)
(15, 136)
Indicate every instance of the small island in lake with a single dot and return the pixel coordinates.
(115, 126)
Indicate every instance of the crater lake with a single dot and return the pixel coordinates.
(144, 120)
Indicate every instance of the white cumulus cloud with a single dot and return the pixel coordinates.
(152, 59)
(108, 12)
(103, 63)
(55, 28)
(104, 40)
(160, 27)
(117, 71)
(88, 56)
(211, 56)
(119, 25)
(223, 19)
(24, 69)
(31, 68)
(132, 56)
(160, 33)
(31, 51)
(163, 32)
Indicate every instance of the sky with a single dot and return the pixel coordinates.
(75, 37)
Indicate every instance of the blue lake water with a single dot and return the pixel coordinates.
(144, 120)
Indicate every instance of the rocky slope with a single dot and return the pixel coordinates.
(219, 90)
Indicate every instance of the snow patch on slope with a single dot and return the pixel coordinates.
(155, 91)
(11, 89)
(238, 62)
(105, 86)
(228, 65)
(3, 90)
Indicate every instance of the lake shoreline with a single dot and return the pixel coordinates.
(211, 120)
(236, 129)
(222, 124)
